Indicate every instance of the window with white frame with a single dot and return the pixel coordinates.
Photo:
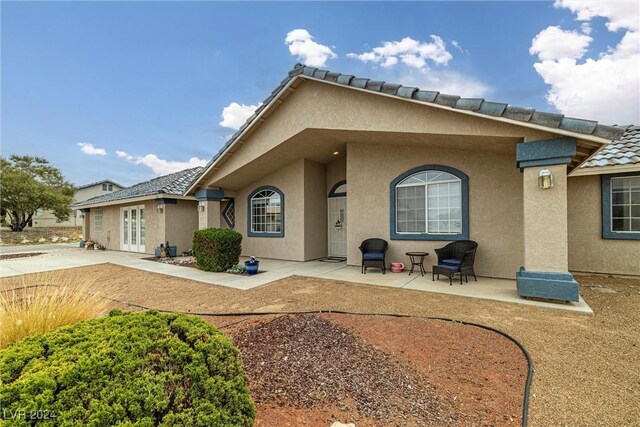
(97, 219)
(429, 202)
(266, 212)
(625, 204)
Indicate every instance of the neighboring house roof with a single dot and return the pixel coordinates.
(104, 181)
(174, 184)
(621, 152)
(559, 123)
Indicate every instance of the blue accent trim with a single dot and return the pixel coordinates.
(255, 234)
(332, 192)
(545, 152)
(209, 194)
(607, 233)
(424, 236)
(166, 201)
(540, 284)
(230, 221)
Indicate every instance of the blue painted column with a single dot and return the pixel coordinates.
(545, 273)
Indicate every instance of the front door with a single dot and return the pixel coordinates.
(132, 229)
(337, 226)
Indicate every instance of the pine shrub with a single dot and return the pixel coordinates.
(217, 249)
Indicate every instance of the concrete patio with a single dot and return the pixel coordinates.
(70, 257)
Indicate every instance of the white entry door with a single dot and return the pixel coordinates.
(132, 229)
(337, 219)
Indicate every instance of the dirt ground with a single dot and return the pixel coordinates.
(33, 235)
(586, 367)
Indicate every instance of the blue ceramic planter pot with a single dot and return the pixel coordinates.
(252, 267)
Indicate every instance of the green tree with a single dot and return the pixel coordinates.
(29, 183)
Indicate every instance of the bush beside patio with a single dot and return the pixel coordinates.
(134, 368)
(217, 249)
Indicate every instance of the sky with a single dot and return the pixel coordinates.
(132, 90)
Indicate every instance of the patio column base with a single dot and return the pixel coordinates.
(548, 285)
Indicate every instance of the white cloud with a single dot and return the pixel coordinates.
(606, 88)
(89, 149)
(160, 166)
(234, 115)
(312, 53)
(163, 167)
(619, 14)
(413, 53)
(555, 43)
(124, 155)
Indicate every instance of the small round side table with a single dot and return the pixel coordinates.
(417, 259)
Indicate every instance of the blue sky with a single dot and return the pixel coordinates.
(151, 80)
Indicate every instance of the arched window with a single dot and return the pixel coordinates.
(266, 213)
(339, 189)
(430, 203)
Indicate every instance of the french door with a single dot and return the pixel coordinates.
(132, 229)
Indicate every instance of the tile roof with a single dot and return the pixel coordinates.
(623, 151)
(175, 184)
(477, 105)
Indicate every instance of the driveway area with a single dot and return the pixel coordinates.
(62, 257)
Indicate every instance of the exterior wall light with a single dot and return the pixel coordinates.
(160, 208)
(201, 206)
(545, 179)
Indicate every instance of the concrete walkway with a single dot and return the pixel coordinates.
(70, 257)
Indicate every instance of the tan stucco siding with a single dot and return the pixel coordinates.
(181, 220)
(110, 236)
(290, 181)
(495, 201)
(315, 210)
(323, 106)
(588, 251)
(545, 221)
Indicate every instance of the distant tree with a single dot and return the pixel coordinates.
(29, 183)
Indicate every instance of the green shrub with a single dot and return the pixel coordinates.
(133, 369)
(217, 249)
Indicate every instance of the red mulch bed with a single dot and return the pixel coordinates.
(375, 370)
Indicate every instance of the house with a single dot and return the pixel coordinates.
(46, 218)
(329, 160)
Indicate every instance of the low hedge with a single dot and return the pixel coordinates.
(133, 369)
(217, 249)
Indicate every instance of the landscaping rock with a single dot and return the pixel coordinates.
(54, 239)
(24, 241)
(42, 239)
(64, 239)
(339, 424)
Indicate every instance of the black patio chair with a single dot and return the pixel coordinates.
(373, 254)
(456, 258)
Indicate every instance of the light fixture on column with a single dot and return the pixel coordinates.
(201, 206)
(545, 179)
(160, 207)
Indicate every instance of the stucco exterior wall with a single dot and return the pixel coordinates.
(588, 251)
(495, 201)
(545, 221)
(324, 106)
(181, 220)
(315, 210)
(290, 181)
(109, 235)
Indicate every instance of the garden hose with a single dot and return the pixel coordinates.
(527, 386)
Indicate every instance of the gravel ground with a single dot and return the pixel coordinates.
(24, 255)
(306, 361)
(586, 367)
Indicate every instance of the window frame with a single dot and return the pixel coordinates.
(607, 205)
(250, 232)
(97, 228)
(464, 206)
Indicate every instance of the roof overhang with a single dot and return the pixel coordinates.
(133, 200)
(604, 170)
(588, 145)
